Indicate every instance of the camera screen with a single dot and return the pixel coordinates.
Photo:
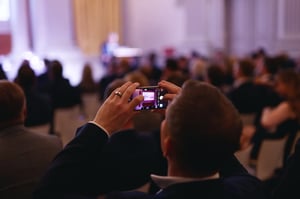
(153, 98)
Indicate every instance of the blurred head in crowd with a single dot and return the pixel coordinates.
(12, 104)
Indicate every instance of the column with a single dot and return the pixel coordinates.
(19, 27)
(52, 26)
(205, 25)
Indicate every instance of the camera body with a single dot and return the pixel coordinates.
(153, 98)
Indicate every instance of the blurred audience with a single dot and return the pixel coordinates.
(88, 89)
(266, 71)
(244, 93)
(263, 86)
(62, 93)
(24, 155)
(284, 118)
(215, 76)
(39, 110)
(151, 69)
(44, 79)
(87, 83)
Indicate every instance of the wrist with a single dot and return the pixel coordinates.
(104, 129)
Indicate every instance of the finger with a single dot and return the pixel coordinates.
(123, 88)
(170, 87)
(129, 91)
(120, 89)
(136, 101)
(169, 96)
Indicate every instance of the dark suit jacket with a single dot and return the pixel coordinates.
(289, 182)
(130, 157)
(77, 172)
(251, 98)
(235, 183)
(24, 157)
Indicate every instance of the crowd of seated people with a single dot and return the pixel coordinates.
(259, 84)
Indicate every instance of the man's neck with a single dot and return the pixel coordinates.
(174, 171)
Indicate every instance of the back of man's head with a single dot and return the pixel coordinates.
(246, 67)
(12, 102)
(204, 127)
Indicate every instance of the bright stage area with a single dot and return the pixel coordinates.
(72, 60)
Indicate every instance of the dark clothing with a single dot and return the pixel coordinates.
(77, 172)
(235, 182)
(63, 94)
(131, 157)
(289, 182)
(251, 98)
(24, 158)
(104, 82)
(44, 83)
(287, 128)
(39, 110)
(2, 73)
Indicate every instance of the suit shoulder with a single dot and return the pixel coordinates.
(47, 140)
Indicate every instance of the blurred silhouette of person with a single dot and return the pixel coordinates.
(108, 47)
(44, 79)
(39, 109)
(24, 155)
(2, 72)
(62, 93)
(87, 83)
(287, 185)
(283, 119)
(151, 69)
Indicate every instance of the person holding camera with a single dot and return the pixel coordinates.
(199, 136)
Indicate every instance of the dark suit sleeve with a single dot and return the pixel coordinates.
(232, 167)
(289, 183)
(239, 182)
(76, 170)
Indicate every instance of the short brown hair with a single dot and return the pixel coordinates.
(12, 100)
(205, 127)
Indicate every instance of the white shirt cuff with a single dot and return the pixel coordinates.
(101, 127)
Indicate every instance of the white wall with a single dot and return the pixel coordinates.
(200, 25)
(52, 25)
(184, 24)
(272, 24)
(19, 27)
(152, 24)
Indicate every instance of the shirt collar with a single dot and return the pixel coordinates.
(165, 181)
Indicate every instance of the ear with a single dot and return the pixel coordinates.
(164, 131)
(167, 147)
(24, 112)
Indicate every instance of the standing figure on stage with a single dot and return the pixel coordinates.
(108, 47)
